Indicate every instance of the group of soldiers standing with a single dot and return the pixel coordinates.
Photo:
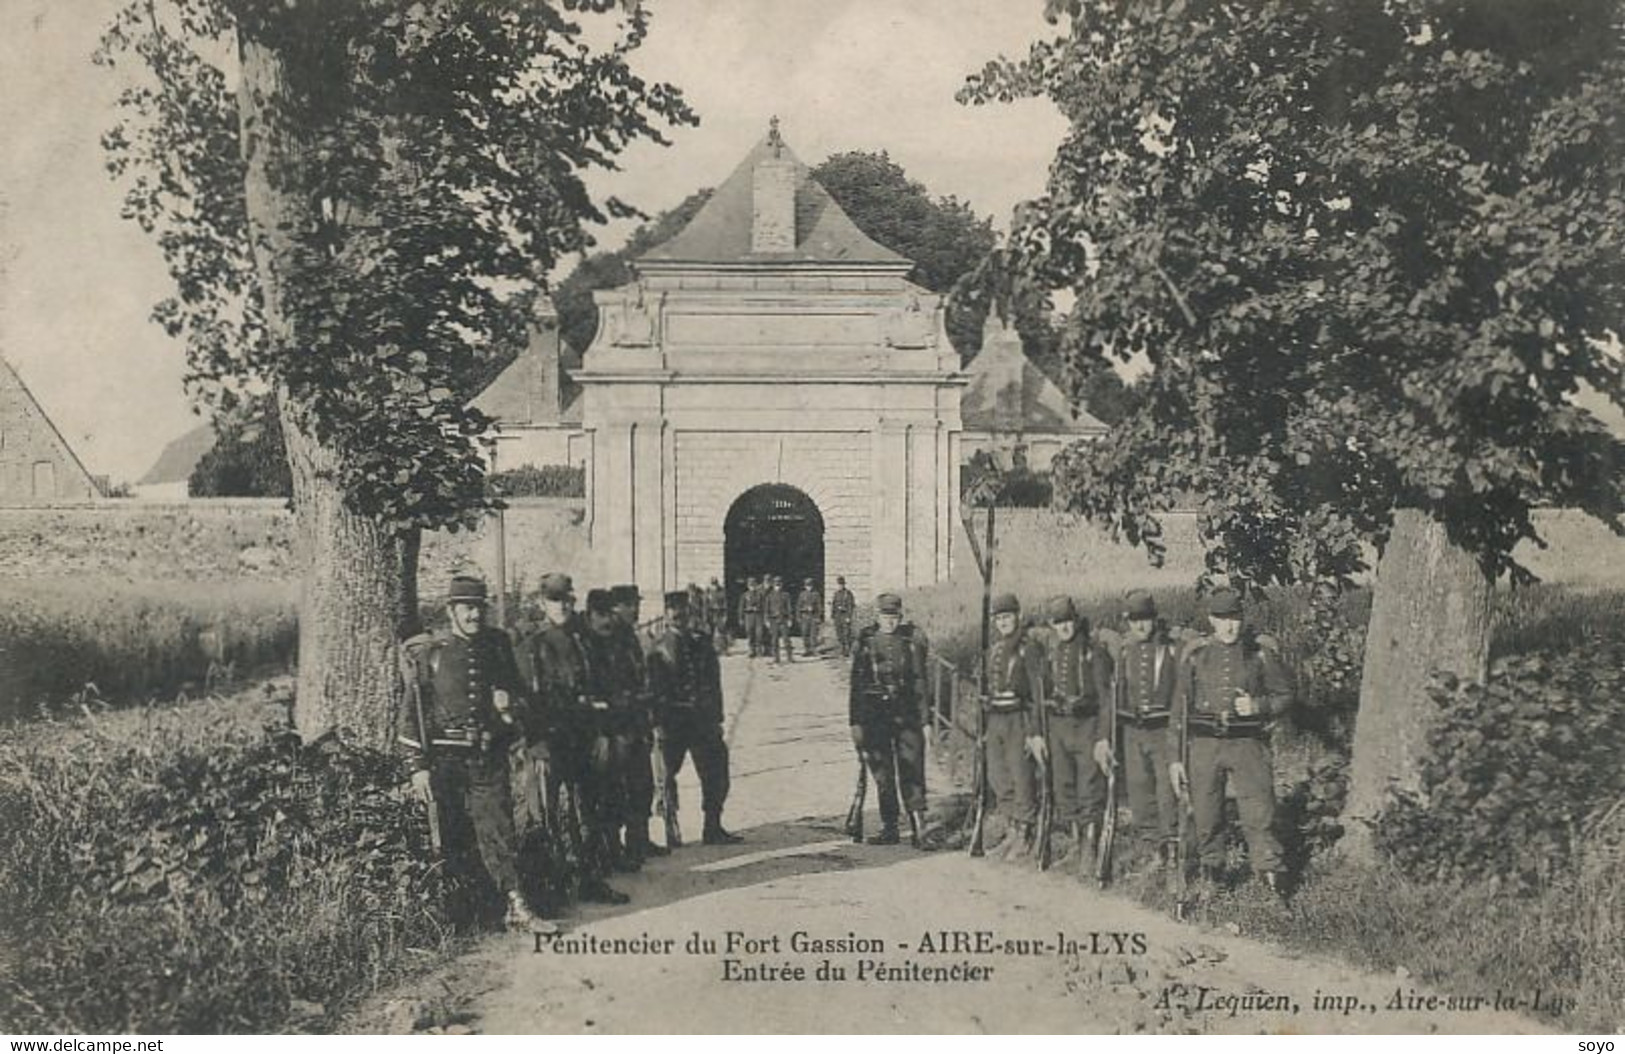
(770, 617)
(559, 733)
(1181, 720)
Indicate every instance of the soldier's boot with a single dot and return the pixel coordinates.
(597, 891)
(623, 859)
(1275, 882)
(887, 835)
(647, 847)
(917, 836)
(716, 834)
(1074, 855)
(1021, 846)
(520, 917)
(1006, 839)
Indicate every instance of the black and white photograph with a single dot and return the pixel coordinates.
(578, 517)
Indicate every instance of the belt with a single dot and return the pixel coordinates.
(1073, 707)
(448, 739)
(1152, 719)
(1004, 701)
(1230, 730)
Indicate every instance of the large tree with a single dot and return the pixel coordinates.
(1370, 249)
(356, 200)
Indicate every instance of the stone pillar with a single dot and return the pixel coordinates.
(647, 478)
(950, 497)
(614, 502)
(889, 539)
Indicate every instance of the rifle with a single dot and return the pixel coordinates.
(668, 795)
(1187, 808)
(979, 766)
(1046, 796)
(854, 814)
(414, 692)
(1108, 821)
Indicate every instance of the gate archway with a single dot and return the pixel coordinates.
(772, 529)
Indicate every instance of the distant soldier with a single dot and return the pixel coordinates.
(1079, 683)
(459, 718)
(568, 742)
(809, 616)
(696, 604)
(1143, 681)
(750, 615)
(687, 685)
(886, 710)
(777, 608)
(716, 609)
(1015, 678)
(1228, 690)
(842, 605)
(639, 780)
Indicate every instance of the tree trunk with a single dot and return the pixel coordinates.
(1430, 610)
(359, 576)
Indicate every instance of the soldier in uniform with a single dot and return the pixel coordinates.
(716, 610)
(1143, 680)
(1227, 692)
(568, 742)
(776, 606)
(886, 711)
(842, 605)
(750, 615)
(810, 616)
(1015, 679)
(616, 662)
(1079, 682)
(459, 720)
(687, 684)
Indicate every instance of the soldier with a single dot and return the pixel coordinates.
(841, 607)
(1015, 678)
(886, 709)
(458, 723)
(716, 609)
(1143, 680)
(687, 684)
(777, 608)
(566, 735)
(750, 615)
(701, 614)
(638, 780)
(810, 616)
(1227, 692)
(1079, 681)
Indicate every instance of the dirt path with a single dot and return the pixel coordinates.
(1096, 963)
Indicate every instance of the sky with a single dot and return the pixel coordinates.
(78, 282)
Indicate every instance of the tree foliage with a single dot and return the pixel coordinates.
(438, 151)
(249, 458)
(1369, 248)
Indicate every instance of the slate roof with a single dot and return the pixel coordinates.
(514, 397)
(1007, 393)
(180, 457)
(721, 231)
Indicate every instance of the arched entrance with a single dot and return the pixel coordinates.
(772, 529)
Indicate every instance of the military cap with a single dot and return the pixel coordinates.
(889, 604)
(1141, 606)
(557, 586)
(677, 600)
(840, 580)
(624, 594)
(808, 582)
(466, 589)
(1006, 603)
(601, 601)
(1061, 609)
(1224, 603)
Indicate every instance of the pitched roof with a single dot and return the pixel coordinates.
(180, 457)
(9, 377)
(1007, 393)
(518, 396)
(721, 231)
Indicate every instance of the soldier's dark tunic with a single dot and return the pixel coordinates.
(1224, 745)
(466, 745)
(750, 617)
(841, 607)
(1015, 671)
(639, 782)
(888, 700)
(1079, 683)
(810, 618)
(777, 611)
(716, 612)
(1143, 686)
(614, 692)
(685, 682)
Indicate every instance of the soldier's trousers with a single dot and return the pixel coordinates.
(1246, 763)
(843, 635)
(476, 810)
(574, 783)
(1146, 756)
(639, 782)
(1010, 769)
(753, 633)
(895, 756)
(782, 628)
(689, 733)
(1077, 783)
(810, 628)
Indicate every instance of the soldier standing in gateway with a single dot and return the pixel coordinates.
(687, 684)
(842, 606)
(1079, 683)
(750, 615)
(716, 612)
(776, 606)
(886, 711)
(1143, 682)
(1015, 678)
(457, 724)
(1228, 690)
(810, 615)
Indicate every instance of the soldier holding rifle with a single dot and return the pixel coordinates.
(639, 780)
(1015, 675)
(1227, 693)
(1079, 681)
(886, 711)
(461, 696)
(1143, 691)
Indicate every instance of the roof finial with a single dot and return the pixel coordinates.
(773, 138)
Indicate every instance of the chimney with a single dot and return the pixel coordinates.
(543, 349)
(773, 200)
